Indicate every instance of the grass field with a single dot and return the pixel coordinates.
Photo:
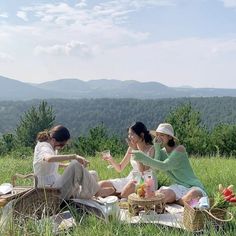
(210, 170)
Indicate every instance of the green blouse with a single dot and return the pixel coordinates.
(176, 165)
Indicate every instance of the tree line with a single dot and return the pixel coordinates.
(199, 140)
(117, 114)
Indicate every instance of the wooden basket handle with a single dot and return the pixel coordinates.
(34, 177)
(221, 220)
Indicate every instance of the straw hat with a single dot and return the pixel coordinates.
(164, 128)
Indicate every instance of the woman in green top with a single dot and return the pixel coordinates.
(173, 159)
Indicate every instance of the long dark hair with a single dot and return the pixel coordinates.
(59, 133)
(171, 142)
(139, 128)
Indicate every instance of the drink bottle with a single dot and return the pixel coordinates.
(203, 202)
(149, 187)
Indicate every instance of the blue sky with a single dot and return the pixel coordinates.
(174, 42)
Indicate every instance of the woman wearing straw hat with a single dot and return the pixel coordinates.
(173, 159)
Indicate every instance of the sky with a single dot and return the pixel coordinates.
(174, 42)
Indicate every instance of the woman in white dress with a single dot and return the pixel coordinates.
(139, 138)
(76, 180)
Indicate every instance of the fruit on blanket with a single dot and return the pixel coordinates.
(224, 197)
(141, 190)
(233, 199)
(141, 193)
(227, 192)
(228, 198)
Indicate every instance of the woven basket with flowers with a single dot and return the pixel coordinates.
(195, 219)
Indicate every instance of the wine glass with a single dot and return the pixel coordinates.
(105, 155)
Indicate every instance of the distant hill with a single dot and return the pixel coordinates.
(104, 88)
(11, 89)
(15, 90)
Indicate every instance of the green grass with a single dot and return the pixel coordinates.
(210, 170)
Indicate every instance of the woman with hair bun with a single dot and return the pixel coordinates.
(138, 138)
(76, 181)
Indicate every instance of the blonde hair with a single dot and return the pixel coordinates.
(59, 133)
(43, 136)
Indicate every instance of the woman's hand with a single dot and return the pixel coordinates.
(157, 140)
(107, 158)
(82, 161)
(138, 155)
(130, 144)
(64, 165)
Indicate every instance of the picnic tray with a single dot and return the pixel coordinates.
(33, 201)
(137, 204)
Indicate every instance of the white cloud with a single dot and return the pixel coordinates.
(71, 48)
(3, 15)
(99, 26)
(22, 15)
(114, 12)
(229, 3)
(4, 57)
(81, 4)
(223, 47)
(143, 3)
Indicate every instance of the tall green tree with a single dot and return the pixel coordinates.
(98, 140)
(187, 125)
(34, 121)
(223, 139)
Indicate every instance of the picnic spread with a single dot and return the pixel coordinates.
(31, 201)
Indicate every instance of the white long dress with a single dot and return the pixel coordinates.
(119, 183)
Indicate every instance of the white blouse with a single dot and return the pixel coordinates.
(47, 172)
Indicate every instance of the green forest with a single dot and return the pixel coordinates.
(206, 126)
(117, 114)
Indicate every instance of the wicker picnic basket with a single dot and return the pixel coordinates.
(195, 219)
(17, 191)
(36, 202)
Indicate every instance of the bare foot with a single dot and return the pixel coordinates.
(104, 192)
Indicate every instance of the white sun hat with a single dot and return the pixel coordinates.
(164, 128)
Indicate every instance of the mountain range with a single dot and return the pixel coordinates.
(11, 89)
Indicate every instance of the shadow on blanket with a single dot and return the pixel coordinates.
(84, 206)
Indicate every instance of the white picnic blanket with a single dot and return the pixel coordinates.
(173, 217)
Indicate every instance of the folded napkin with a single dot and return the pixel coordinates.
(5, 188)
